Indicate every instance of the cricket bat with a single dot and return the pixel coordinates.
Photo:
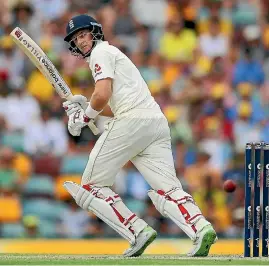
(46, 67)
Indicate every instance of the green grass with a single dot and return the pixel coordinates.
(37, 259)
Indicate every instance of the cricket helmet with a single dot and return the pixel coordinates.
(81, 22)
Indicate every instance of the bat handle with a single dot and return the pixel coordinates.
(90, 124)
(93, 127)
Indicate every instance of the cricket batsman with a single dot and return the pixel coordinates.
(137, 131)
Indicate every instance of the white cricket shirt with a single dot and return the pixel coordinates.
(130, 91)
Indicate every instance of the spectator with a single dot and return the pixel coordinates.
(214, 43)
(24, 17)
(177, 41)
(49, 10)
(248, 69)
(31, 227)
(244, 131)
(17, 101)
(9, 178)
(74, 222)
(46, 134)
(195, 175)
(125, 26)
(11, 59)
(151, 19)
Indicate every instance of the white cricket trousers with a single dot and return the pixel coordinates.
(144, 141)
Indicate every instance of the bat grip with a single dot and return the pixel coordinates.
(93, 127)
(90, 124)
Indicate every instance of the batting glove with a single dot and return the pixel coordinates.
(76, 122)
(81, 100)
(70, 107)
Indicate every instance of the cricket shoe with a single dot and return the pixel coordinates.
(144, 238)
(201, 245)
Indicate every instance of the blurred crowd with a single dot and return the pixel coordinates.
(206, 63)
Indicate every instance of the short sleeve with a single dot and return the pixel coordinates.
(102, 65)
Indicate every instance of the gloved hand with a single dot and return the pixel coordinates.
(76, 122)
(71, 107)
(81, 100)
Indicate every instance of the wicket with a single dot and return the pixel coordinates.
(256, 172)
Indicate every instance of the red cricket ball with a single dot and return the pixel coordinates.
(229, 185)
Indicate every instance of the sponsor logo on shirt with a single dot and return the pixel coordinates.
(97, 70)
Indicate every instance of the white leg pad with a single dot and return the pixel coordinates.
(108, 206)
(180, 207)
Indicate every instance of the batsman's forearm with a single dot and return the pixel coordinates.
(101, 94)
(98, 102)
(107, 112)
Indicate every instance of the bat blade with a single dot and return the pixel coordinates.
(41, 61)
(45, 66)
